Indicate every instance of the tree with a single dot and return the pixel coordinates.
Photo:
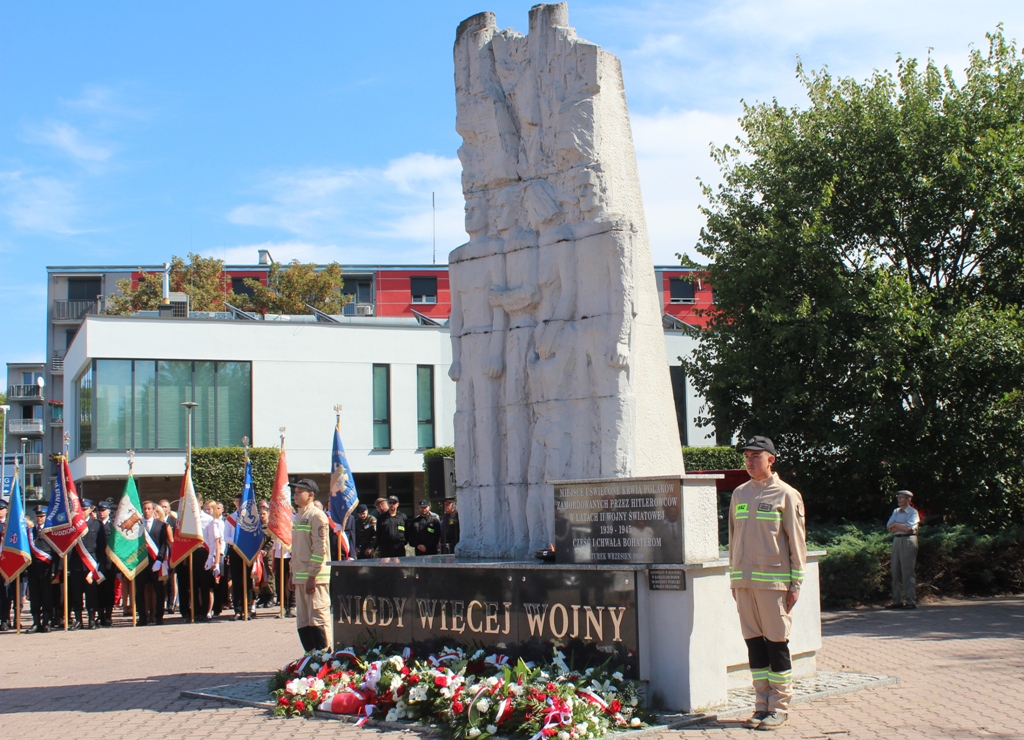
(289, 289)
(203, 279)
(869, 271)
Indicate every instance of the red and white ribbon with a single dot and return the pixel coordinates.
(600, 704)
(36, 552)
(90, 563)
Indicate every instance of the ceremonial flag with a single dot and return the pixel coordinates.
(65, 523)
(188, 534)
(280, 520)
(127, 545)
(248, 527)
(16, 554)
(344, 498)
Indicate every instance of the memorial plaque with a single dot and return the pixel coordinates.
(523, 612)
(636, 520)
(666, 580)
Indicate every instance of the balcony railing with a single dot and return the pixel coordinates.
(18, 392)
(25, 426)
(57, 362)
(74, 310)
(34, 460)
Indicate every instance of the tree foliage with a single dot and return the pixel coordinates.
(867, 257)
(290, 288)
(217, 472)
(202, 278)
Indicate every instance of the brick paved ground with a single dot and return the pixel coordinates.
(961, 665)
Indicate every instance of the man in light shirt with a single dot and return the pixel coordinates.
(903, 525)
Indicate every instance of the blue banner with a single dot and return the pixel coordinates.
(248, 527)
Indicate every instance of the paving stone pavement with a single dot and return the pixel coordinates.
(960, 664)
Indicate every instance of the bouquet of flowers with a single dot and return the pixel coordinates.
(476, 695)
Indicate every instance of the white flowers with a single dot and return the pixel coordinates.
(336, 665)
(581, 727)
(396, 683)
(392, 716)
(473, 732)
(492, 681)
(635, 722)
(617, 676)
(492, 729)
(563, 735)
(483, 705)
(396, 661)
(418, 693)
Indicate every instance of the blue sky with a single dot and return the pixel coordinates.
(130, 132)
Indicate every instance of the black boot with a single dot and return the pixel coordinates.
(93, 623)
(318, 635)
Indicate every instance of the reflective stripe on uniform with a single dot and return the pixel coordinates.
(760, 577)
(769, 516)
(782, 677)
(761, 674)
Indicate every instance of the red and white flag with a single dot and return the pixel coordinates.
(279, 522)
(188, 535)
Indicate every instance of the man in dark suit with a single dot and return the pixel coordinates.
(152, 597)
(106, 588)
(40, 575)
(81, 580)
(171, 520)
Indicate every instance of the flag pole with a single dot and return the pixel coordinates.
(189, 405)
(131, 465)
(134, 613)
(64, 488)
(282, 586)
(337, 427)
(17, 613)
(245, 566)
(65, 579)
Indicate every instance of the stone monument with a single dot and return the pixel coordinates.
(557, 341)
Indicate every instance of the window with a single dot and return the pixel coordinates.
(238, 287)
(382, 407)
(678, 375)
(681, 290)
(138, 404)
(30, 378)
(84, 289)
(425, 406)
(357, 291)
(424, 289)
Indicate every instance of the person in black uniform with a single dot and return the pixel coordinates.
(449, 527)
(426, 531)
(151, 596)
(40, 574)
(366, 532)
(106, 588)
(80, 579)
(391, 525)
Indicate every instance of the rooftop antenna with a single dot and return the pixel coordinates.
(433, 206)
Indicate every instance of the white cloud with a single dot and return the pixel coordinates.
(384, 214)
(70, 141)
(39, 203)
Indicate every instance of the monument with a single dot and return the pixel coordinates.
(565, 431)
(556, 326)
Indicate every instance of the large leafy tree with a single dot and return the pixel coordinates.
(868, 257)
(290, 288)
(202, 278)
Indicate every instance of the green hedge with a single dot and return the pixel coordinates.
(217, 472)
(436, 452)
(952, 561)
(712, 458)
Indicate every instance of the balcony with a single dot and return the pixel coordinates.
(74, 310)
(33, 461)
(24, 426)
(57, 362)
(24, 392)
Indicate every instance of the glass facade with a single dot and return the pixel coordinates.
(425, 406)
(382, 407)
(137, 404)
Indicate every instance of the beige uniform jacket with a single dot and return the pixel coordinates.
(767, 544)
(310, 546)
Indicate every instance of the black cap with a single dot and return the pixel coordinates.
(87, 504)
(759, 443)
(309, 485)
(361, 508)
(393, 499)
(3, 504)
(40, 511)
(105, 505)
(425, 502)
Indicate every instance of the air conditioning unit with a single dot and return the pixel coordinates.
(364, 309)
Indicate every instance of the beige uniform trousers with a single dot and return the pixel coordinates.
(314, 610)
(763, 614)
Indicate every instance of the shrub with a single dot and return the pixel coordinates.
(436, 452)
(217, 472)
(712, 458)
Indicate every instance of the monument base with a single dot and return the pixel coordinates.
(673, 627)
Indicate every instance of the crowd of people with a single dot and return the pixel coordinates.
(214, 583)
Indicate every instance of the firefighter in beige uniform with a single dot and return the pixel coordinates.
(767, 557)
(311, 573)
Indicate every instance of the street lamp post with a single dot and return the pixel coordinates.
(189, 406)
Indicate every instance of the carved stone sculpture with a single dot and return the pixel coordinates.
(557, 343)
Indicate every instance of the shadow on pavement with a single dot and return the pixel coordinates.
(962, 620)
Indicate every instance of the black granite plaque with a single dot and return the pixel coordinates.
(666, 580)
(588, 613)
(636, 520)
